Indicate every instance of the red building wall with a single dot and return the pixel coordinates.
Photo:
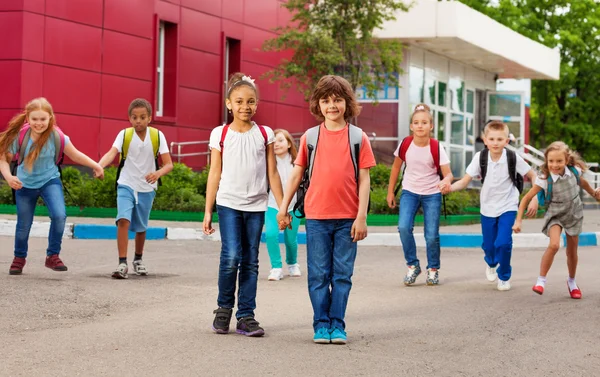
(90, 58)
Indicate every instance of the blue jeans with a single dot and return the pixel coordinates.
(52, 194)
(240, 239)
(330, 259)
(409, 205)
(497, 242)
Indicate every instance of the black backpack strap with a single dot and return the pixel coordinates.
(511, 158)
(483, 162)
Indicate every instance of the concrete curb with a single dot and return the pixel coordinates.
(107, 232)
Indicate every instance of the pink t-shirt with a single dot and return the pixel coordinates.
(332, 193)
(420, 176)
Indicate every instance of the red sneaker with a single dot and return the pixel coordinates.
(575, 293)
(538, 289)
(16, 268)
(53, 262)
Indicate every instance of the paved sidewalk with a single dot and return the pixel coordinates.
(83, 323)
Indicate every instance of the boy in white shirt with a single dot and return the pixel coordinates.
(499, 198)
(137, 179)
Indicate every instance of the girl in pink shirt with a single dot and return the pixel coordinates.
(423, 187)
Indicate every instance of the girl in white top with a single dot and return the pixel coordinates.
(421, 187)
(286, 152)
(242, 160)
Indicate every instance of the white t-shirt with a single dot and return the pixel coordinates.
(420, 176)
(244, 182)
(139, 161)
(498, 193)
(284, 168)
(543, 182)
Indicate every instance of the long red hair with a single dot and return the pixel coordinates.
(16, 123)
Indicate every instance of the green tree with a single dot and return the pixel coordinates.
(567, 109)
(336, 37)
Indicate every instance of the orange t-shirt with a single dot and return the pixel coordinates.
(333, 192)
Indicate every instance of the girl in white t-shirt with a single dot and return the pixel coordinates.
(242, 167)
(422, 186)
(286, 152)
(562, 169)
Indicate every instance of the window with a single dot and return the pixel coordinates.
(441, 126)
(232, 63)
(416, 75)
(430, 91)
(457, 93)
(457, 129)
(166, 70)
(441, 94)
(457, 163)
(470, 101)
(160, 77)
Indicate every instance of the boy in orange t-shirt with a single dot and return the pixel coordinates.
(335, 205)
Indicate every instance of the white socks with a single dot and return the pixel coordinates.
(572, 284)
(541, 281)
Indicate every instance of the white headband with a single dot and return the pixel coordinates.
(244, 78)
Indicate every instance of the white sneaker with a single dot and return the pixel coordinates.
(275, 274)
(294, 270)
(490, 273)
(121, 271)
(139, 267)
(503, 285)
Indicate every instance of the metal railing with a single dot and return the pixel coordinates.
(536, 157)
(179, 146)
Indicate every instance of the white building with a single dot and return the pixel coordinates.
(453, 59)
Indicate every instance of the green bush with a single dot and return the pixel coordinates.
(457, 203)
(5, 193)
(380, 176)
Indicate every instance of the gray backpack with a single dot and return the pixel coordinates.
(312, 140)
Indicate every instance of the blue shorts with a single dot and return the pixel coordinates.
(134, 207)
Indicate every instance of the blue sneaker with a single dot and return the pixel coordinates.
(322, 336)
(338, 336)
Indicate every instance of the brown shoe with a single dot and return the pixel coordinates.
(16, 268)
(53, 262)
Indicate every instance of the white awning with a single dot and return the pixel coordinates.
(454, 30)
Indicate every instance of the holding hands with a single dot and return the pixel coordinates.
(444, 187)
(597, 193)
(98, 172)
(284, 220)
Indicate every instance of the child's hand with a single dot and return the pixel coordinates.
(14, 182)
(359, 230)
(152, 177)
(597, 193)
(391, 200)
(517, 227)
(207, 224)
(532, 208)
(98, 172)
(284, 220)
(444, 188)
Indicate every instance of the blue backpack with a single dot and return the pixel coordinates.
(545, 197)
